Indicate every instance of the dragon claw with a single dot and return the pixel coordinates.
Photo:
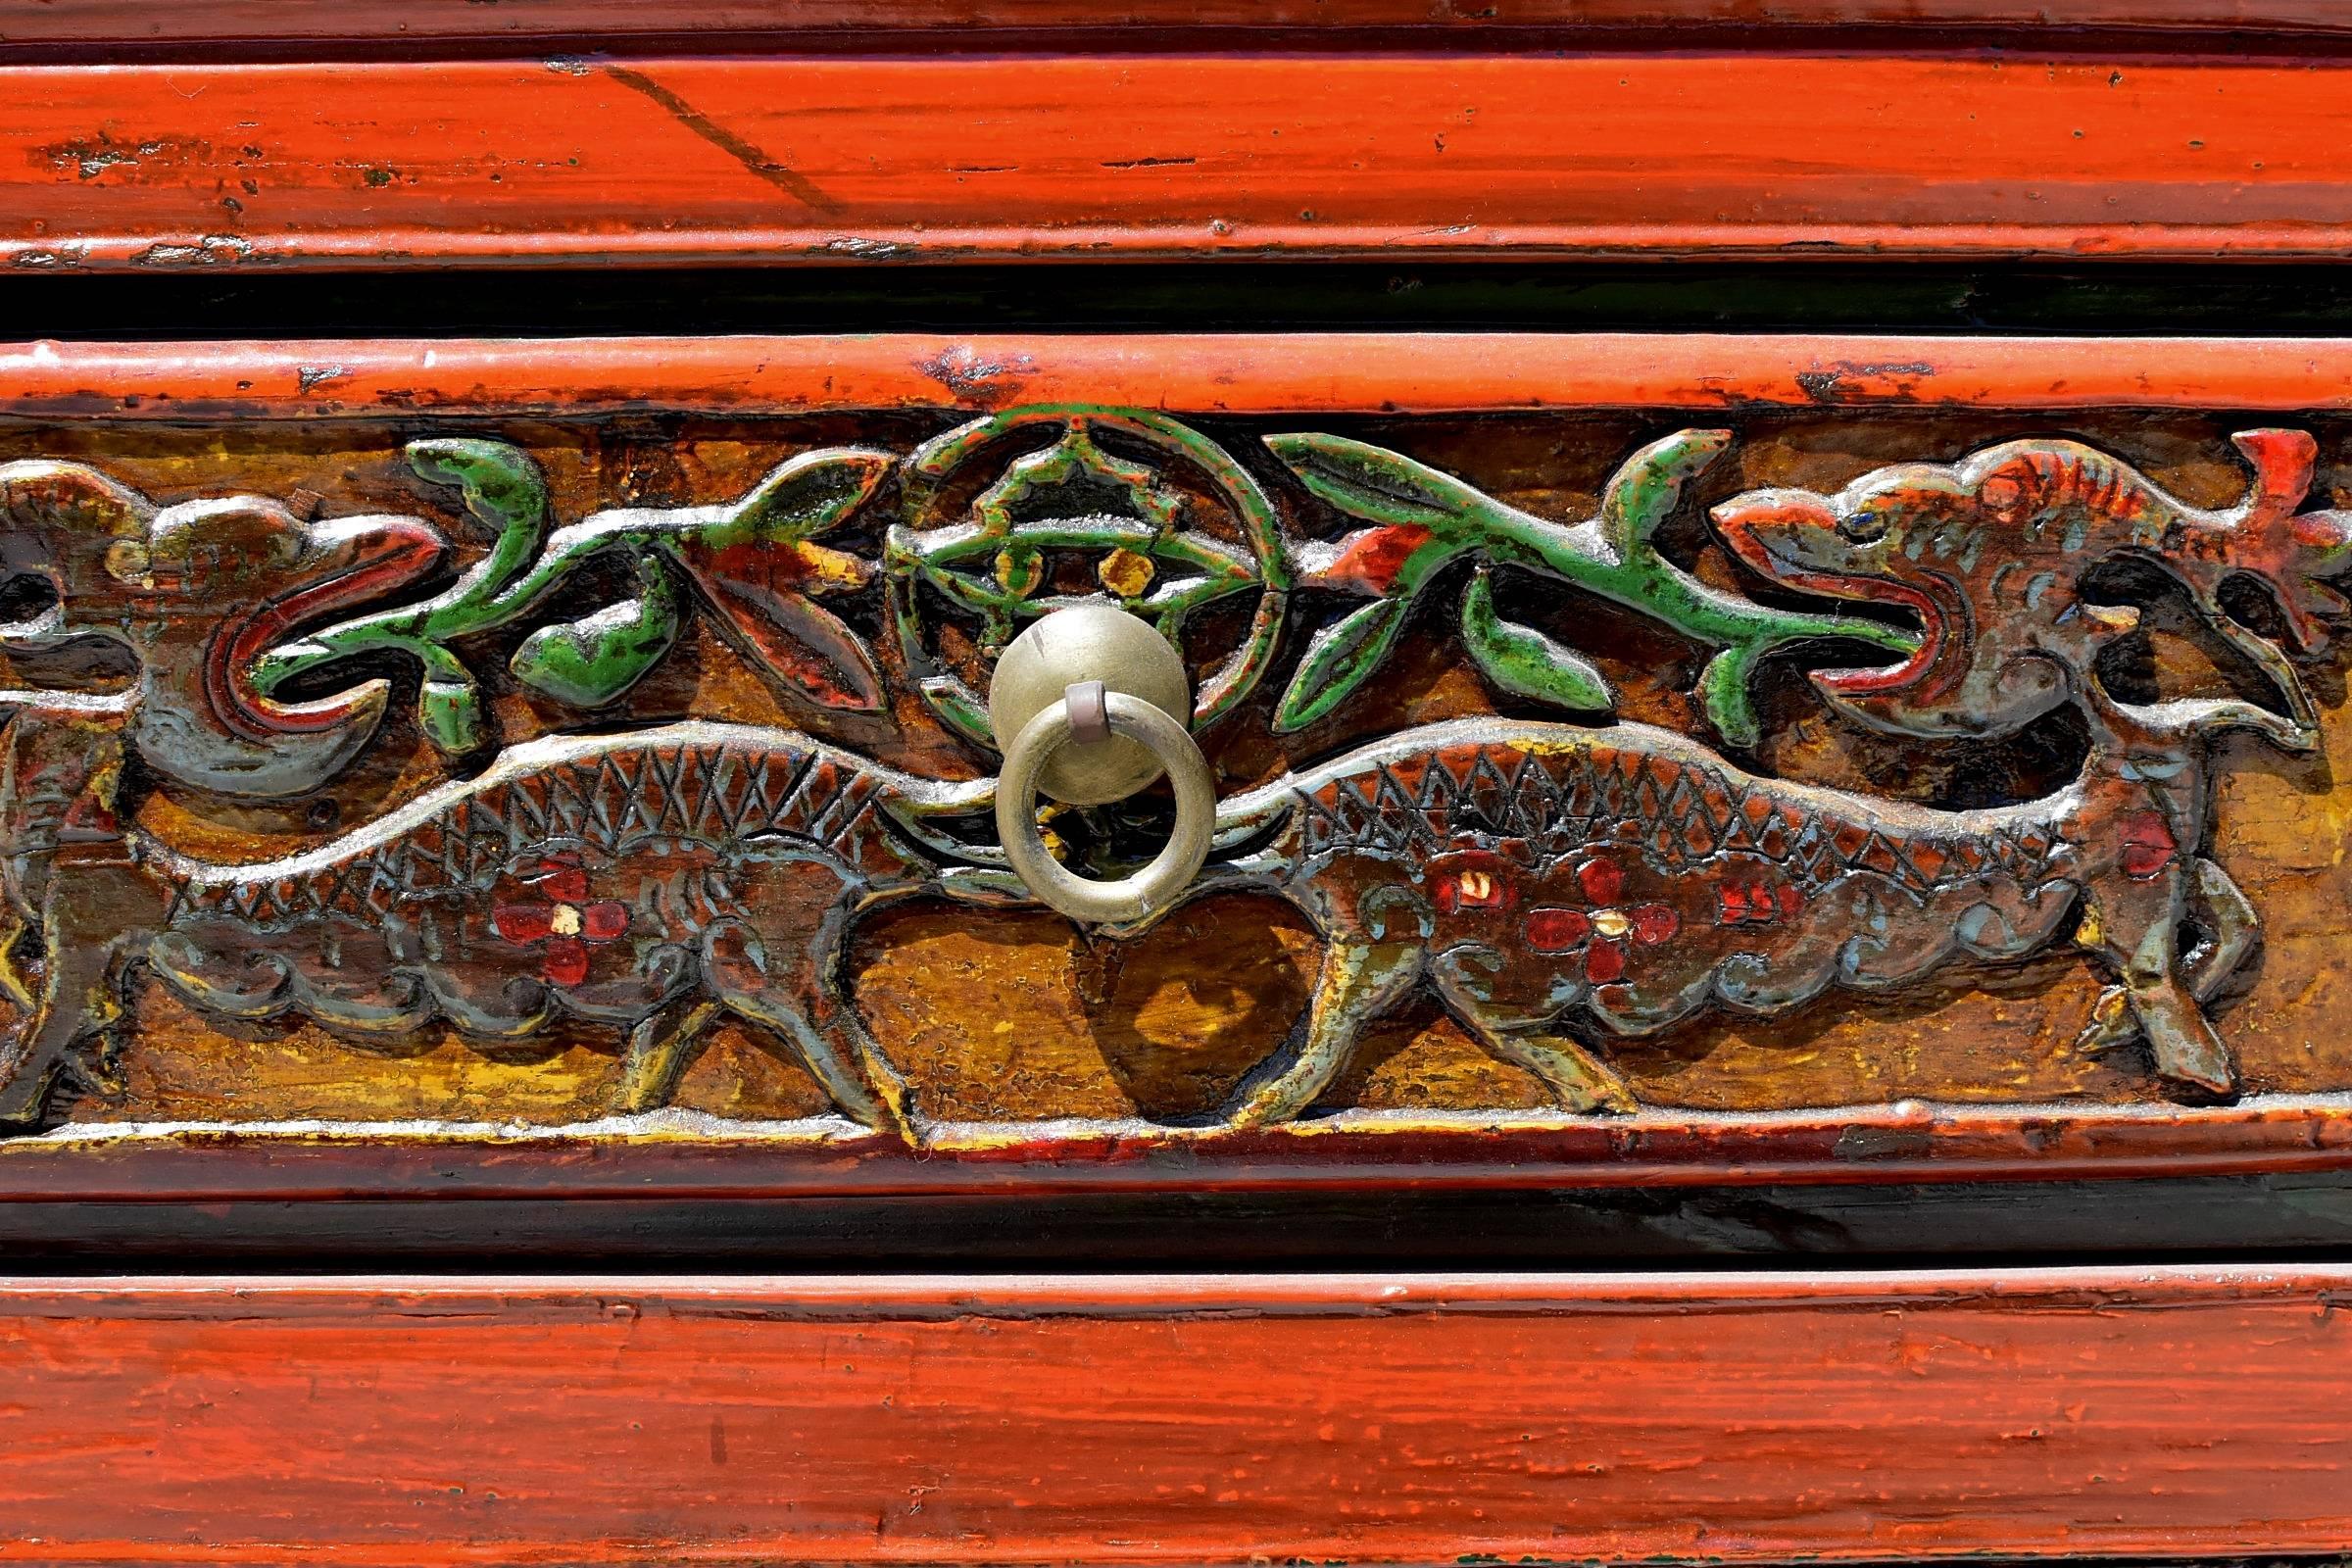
(2112, 1026)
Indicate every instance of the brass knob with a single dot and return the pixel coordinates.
(1090, 705)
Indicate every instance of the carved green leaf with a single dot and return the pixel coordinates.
(803, 499)
(1649, 485)
(1375, 483)
(503, 490)
(450, 712)
(1338, 661)
(1524, 662)
(956, 705)
(590, 661)
(1723, 693)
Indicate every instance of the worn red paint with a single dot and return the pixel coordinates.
(1176, 154)
(2148, 845)
(1381, 1419)
(1294, 374)
(1746, 902)
(1372, 561)
(1556, 930)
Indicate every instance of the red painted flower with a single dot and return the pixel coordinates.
(1609, 931)
(1473, 880)
(1373, 560)
(2148, 846)
(562, 923)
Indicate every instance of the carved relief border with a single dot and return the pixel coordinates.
(1557, 876)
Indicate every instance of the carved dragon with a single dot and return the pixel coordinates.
(1555, 884)
(654, 881)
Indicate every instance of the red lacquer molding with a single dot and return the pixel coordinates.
(1265, 374)
(130, 21)
(170, 167)
(1371, 1419)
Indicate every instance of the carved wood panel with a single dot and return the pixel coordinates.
(1834, 774)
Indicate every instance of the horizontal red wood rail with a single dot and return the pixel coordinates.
(170, 167)
(1288, 373)
(1383, 1419)
(126, 21)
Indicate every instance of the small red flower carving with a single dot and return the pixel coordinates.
(1609, 931)
(1372, 559)
(1473, 880)
(563, 923)
(2148, 846)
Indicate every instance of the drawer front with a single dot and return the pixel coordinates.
(1639, 759)
(1647, 798)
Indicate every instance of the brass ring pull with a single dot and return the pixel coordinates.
(1157, 885)
(1088, 705)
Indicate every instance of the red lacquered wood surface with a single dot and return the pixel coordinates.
(1171, 154)
(115, 22)
(1372, 1419)
(1303, 373)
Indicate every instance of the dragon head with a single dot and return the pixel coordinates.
(194, 592)
(1996, 558)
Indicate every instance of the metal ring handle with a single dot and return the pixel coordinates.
(1157, 885)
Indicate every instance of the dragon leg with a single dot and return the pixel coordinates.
(790, 985)
(658, 1049)
(14, 928)
(1358, 982)
(80, 999)
(2235, 930)
(1579, 1080)
(2135, 929)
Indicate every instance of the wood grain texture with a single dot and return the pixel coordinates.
(1371, 1419)
(1172, 155)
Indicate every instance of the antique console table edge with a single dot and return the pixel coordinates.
(2116, 1472)
(110, 28)
(1289, 374)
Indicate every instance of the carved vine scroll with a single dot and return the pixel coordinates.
(1564, 880)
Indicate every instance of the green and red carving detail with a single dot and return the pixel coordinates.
(752, 563)
(1425, 522)
(992, 558)
(1555, 886)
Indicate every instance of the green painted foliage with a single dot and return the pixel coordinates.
(752, 560)
(1342, 656)
(1425, 520)
(1525, 662)
(595, 660)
